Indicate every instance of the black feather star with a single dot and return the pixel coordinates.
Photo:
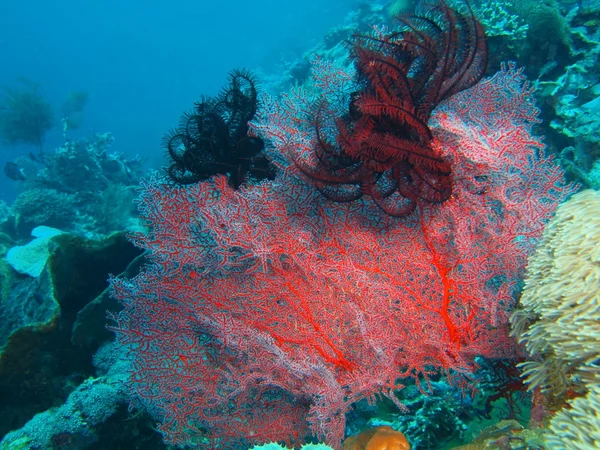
(213, 138)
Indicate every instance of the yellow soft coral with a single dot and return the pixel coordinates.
(559, 321)
(578, 426)
(559, 315)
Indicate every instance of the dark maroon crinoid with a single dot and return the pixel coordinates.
(383, 145)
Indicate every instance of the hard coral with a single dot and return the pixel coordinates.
(382, 146)
(379, 438)
(40, 206)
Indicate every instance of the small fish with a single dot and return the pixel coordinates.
(14, 172)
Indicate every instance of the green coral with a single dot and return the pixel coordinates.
(25, 116)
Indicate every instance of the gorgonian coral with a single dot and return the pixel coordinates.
(267, 312)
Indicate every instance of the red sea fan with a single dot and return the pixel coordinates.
(382, 146)
(265, 313)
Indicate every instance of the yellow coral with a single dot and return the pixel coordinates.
(577, 427)
(559, 320)
(559, 315)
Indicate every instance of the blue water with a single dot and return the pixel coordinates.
(143, 63)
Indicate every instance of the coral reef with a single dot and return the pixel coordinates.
(30, 259)
(81, 188)
(548, 42)
(73, 424)
(433, 418)
(497, 22)
(275, 446)
(92, 416)
(53, 397)
(47, 207)
(84, 165)
(40, 360)
(333, 47)
(566, 69)
(575, 121)
(578, 425)
(507, 435)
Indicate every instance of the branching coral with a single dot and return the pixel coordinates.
(500, 22)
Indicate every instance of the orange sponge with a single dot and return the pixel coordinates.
(378, 438)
